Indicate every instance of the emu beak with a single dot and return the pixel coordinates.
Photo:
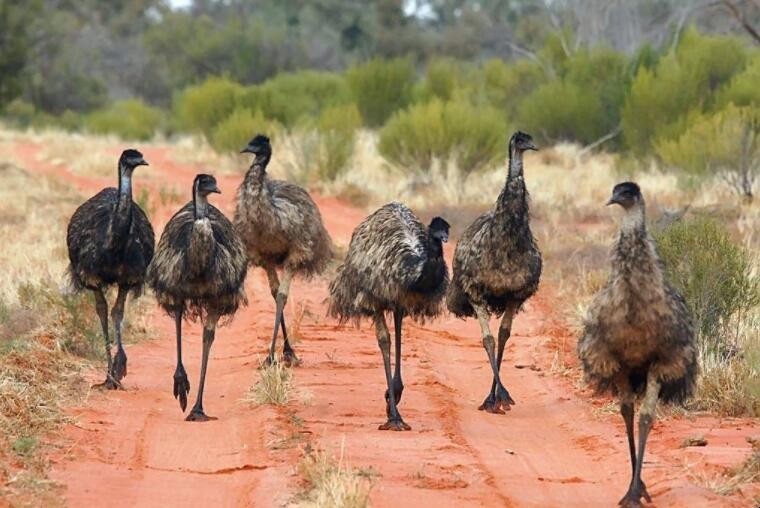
(445, 237)
(532, 147)
(247, 149)
(612, 201)
(143, 162)
(216, 190)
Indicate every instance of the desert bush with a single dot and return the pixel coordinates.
(337, 128)
(380, 87)
(275, 386)
(710, 60)
(743, 90)
(202, 107)
(19, 113)
(506, 85)
(715, 276)
(443, 78)
(560, 111)
(289, 97)
(725, 143)
(331, 483)
(232, 133)
(474, 137)
(130, 119)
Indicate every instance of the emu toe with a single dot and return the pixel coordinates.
(109, 384)
(181, 387)
(119, 369)
(289, 358)
(394, 424)
(197, 415)
(632, 498)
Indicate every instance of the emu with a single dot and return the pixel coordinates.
(497, 266)
(394, 264)
(198, 272)
(110, 241)
(638, 335)
(281, 227)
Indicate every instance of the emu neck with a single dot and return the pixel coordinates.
(512, 205)
(634, 220)
(515, 163)
(122, 217)
(125, 188)
(200, 205)
(254, 178)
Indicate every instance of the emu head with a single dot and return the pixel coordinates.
(626, 194)
(439, 229)
(520, 142)
(129, 160)
(260, 147)
(203, 185)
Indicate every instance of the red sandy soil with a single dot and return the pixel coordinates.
(555, 448)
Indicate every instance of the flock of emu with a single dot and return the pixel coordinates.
(638, 336)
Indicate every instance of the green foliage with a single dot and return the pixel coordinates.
(25, 446)
(130, 119)
(473, 137)
(708, 60)
(563, 111)
(744, 88)
(289, 97)
(20, 113)
(506, 85)
(443, 78)
(236, 130)
(14, 20)
(380, 87)
(337, 128)
(715, 276)
(726, 142)
(200, 108)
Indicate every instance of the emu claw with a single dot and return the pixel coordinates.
(109, 384)
(394, 424)
(181, 386)
(119, 369)
(197, 415)
(632, 499)
(498, 403)
(289, 358)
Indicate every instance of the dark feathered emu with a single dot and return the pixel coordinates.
(497, 266)
(638, 335)
(198, 272)
(282, 228)
(394, 264)
(110, 241)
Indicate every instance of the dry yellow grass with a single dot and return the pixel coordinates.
(274, 386)
(332, 483)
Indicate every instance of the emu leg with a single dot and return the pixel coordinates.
(101, 305)
(636, 491)
(490, 404)
(398, 385)
(626, 411)
(499, 396)
(280, 298)
(181, 383)
(119, 370)
(384, 341)
(196, 413)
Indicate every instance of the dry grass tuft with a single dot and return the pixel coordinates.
(275, 386)
(332, 483)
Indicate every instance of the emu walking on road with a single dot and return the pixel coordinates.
(282, 228)
(110, 241)
(497, 266)
(394, 264)
(198, 272)
(638, 336)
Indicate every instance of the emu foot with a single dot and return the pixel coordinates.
(119, 369)
(197, 415)
(497, 403)
(394, 424)
(181, 386)
(632, 498)
(109, 384)
(398, 390)
(268, 361)
(289, 358)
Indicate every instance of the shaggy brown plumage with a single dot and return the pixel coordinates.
(282, 228)
(394, 264)
(199, 271)
(110, 241)
(638, 335)
(497, 266)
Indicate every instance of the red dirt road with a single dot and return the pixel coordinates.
(133, 447)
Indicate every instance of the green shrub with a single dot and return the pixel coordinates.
(380, 87)
(337, 128)
(726, 142)
(289, 97)
(443, 76)
(563, 111)
(506, 85)
(743, 90)
(715, 276)
(710, 60)
(130, 119)
(19, 113)
(200, 108)
(232, 133)
(473, 137)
